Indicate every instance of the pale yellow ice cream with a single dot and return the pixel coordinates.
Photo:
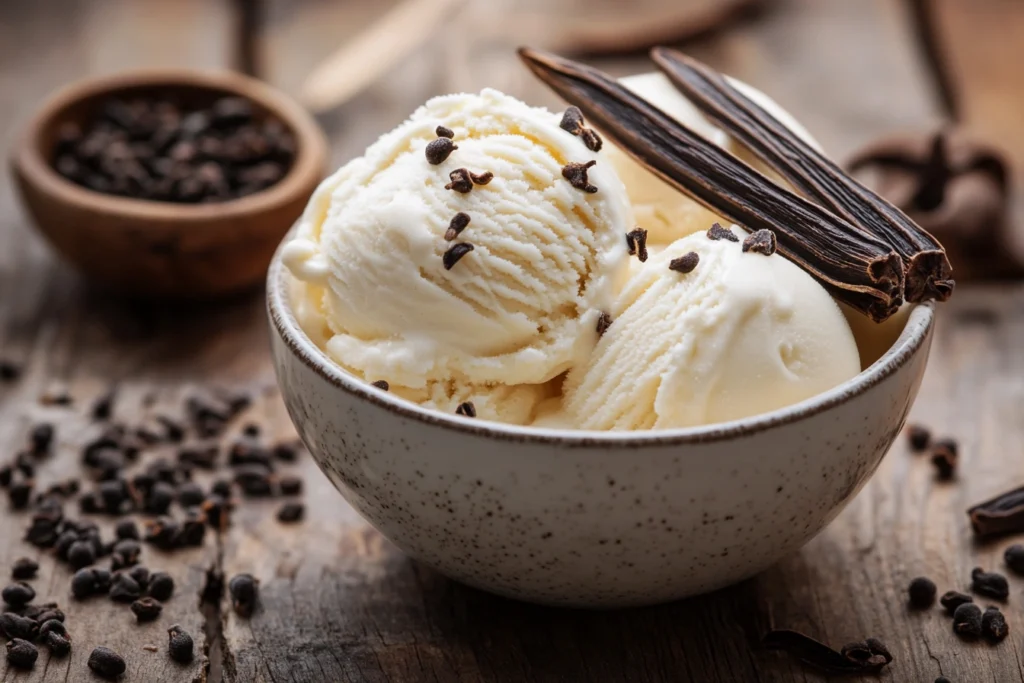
(666, 213)
(517, 311)
(741, 334)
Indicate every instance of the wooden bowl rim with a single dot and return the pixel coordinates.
(307, 169)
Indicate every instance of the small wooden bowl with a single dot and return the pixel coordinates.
(150, 248)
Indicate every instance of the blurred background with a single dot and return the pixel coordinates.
(850, 70)
(875, 78)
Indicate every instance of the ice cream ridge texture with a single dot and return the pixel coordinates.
(478, 254)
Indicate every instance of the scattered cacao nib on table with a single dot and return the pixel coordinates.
(107, 663)
(920, 437)
(180, 646)
(126, 471)
(993, 625)
(922, 592)
(945, 458)
(1013, 556)
(157, 149)
(244, 589)
(950, 600)
(967, 620)
(954, 186)
(9, 371)
(989, 584)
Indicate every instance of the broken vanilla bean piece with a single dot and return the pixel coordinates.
(857, 268)
(1003, 514)
(928, 272)
(856, 658)
(956, 187)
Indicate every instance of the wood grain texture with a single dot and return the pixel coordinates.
(348, 607)
(59, 331)
(339, 603)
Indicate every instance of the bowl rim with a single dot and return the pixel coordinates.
(307, 167)
(911, 340)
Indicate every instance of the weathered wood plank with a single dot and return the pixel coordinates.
(58, 330)
(346, 606)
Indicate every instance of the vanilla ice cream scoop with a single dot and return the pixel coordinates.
(448, 282)
(665, 212)
(741, 333)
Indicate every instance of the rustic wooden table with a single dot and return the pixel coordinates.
(339, 603)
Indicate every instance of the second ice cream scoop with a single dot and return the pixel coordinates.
(722, 333)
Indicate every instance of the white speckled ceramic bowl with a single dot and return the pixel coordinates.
(588, 518)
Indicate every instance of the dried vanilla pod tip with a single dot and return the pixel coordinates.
(856, 658)
(760, 242)
(455, 254)
(928, 274)
(576, 174)
(636, 240)
(604, 321)
(717, 232)
(685, 263)
(456, 226)
(1003, 514)
(382, 385)
(466, 409)
(481, 178)
(438, 150)
(460, 180)
(443, 132)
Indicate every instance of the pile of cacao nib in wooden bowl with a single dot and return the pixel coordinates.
(135, 496)
(172, 184)
(158, 147)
